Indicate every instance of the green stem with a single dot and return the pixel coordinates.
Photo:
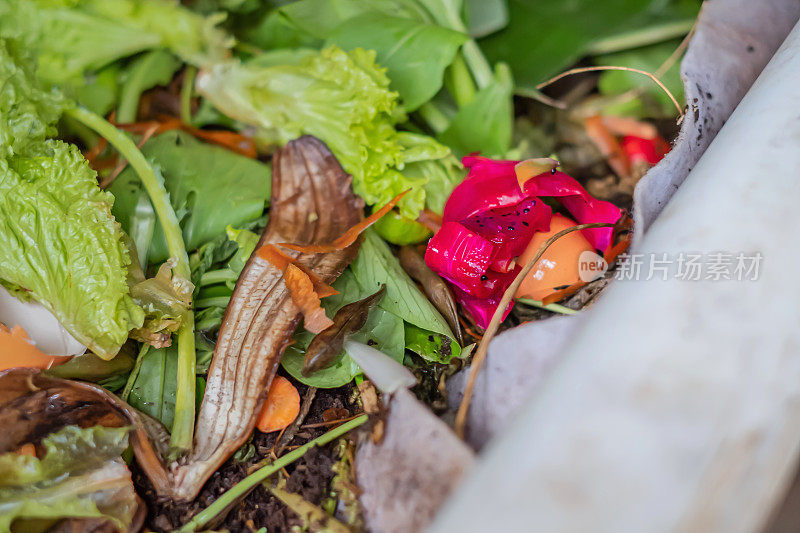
(183, 428)
(137, 366)
(642, 37)
(217, 276)
(480, 67)
(187, 90)
(478, 64)
(244, 486)
(555, 308)
(431, 114)
(215, 301)
(459, 81)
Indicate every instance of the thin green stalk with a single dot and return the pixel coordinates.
(183, 427)
(187, 90)
(459, 81)
(137, 366)
(480, 67)
(642, 37)
(244, 486)
(431, 114)
(214, 301)
(217, 276)
(555, 308)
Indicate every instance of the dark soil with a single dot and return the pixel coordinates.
(310, 477)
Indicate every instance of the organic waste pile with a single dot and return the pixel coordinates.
(233, 206)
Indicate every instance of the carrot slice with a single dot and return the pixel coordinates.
(529, 168)
(302, 291)
(349, 236)
(430, 219)
(281, 406)
(17, 350)
(27, 449)
(280, 260)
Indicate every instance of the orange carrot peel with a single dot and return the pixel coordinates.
(281, 406)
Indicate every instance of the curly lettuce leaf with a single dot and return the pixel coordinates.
(27, 113)
(74, 37)
(342, 98)
(59, 242)
(79, 476)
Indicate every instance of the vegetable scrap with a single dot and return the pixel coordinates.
(291, 187)
(281, 406)
(17, 350)
(489, 221)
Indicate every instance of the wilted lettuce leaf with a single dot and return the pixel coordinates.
(71, 38)
(209, 187)
(339, 97)
(80, 475)
(58, 240)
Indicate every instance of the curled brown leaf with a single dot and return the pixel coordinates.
(325, 346)
(433, 286)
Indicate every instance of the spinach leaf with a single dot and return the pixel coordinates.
(484, 17)
(485, 124)
(155, 388)
(375, 266)
(383, 330)
(414, 54)
(543, 38)
(210, 188)
(321, 17)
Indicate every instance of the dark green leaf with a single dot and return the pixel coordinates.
(485, 124)
(543, 38)
(321, 17)
(484, 17)
(213, 188)
(415, 54)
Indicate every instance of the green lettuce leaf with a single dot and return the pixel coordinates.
(339, 97)
(80, 476)
(27, 113)
(209, 187)
(59, 242)
(75, 37)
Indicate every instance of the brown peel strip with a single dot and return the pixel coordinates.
(312, 203)
(280, 260)
(349, 236)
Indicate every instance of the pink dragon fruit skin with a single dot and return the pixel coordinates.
(489, 220)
